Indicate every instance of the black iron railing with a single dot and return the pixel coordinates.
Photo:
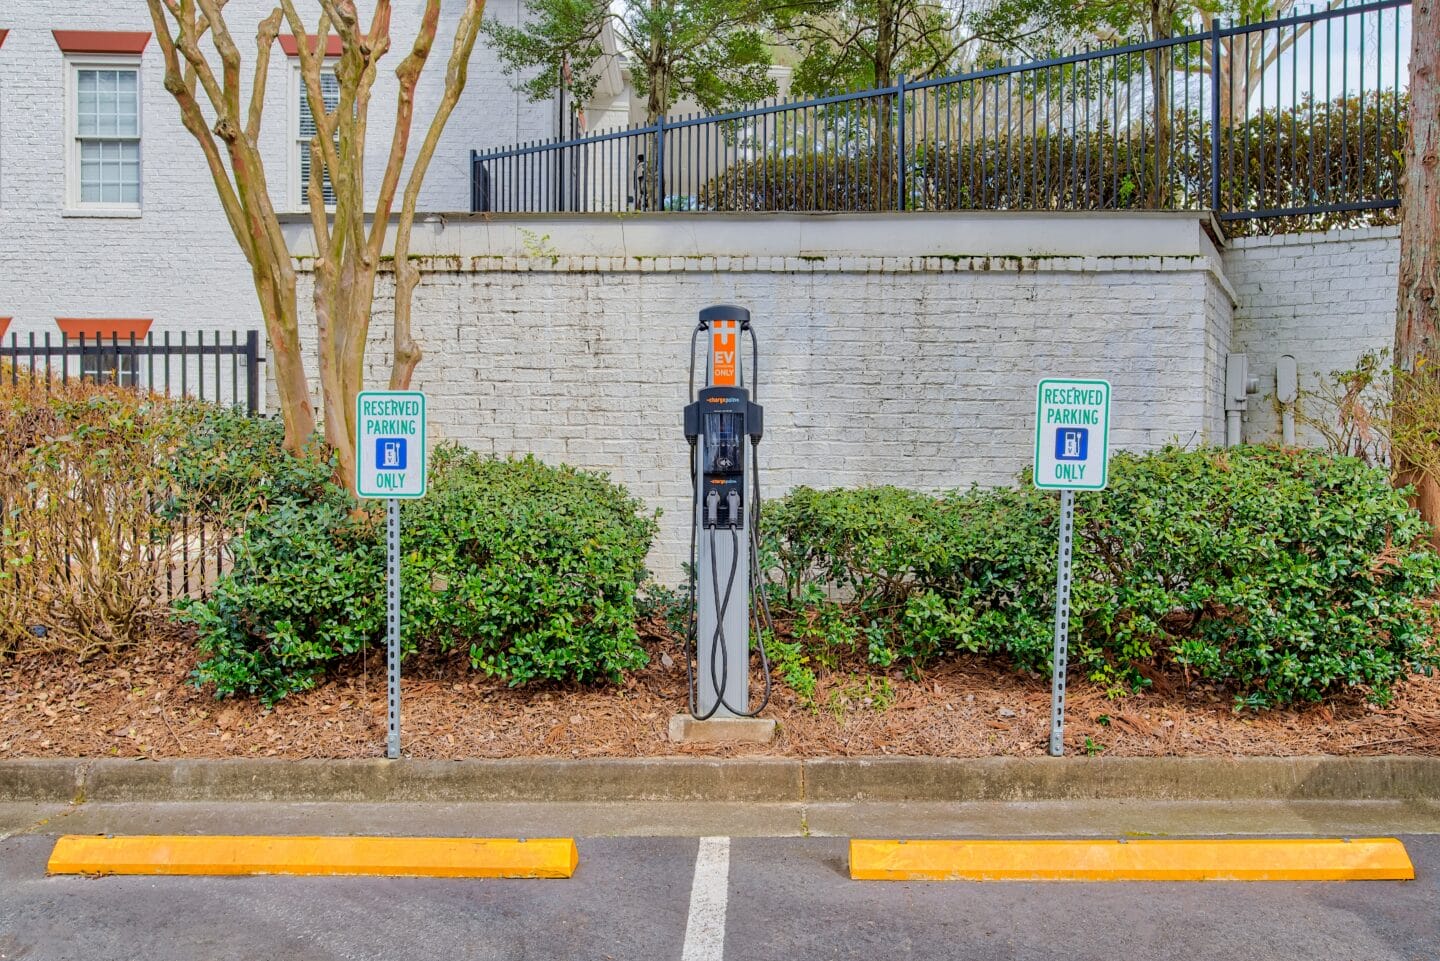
(1297, 121)
(221, 367)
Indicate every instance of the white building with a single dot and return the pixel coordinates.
(109, 223)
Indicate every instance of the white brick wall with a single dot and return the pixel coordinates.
(1324, 298)
(905, 369)
(178, 262)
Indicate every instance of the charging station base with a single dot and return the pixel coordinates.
(684, 729)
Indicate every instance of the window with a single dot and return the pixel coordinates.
(106, 346)
(107, 364)
(304, 127)
(104, 161)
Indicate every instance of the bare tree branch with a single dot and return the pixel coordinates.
(407, 275)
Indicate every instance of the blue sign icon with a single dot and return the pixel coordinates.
(389, 453)
(1072, 443)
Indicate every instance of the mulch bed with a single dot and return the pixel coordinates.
(141, 704)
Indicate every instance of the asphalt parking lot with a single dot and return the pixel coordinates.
(650, 897)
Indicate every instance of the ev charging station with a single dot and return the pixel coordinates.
(726, 599)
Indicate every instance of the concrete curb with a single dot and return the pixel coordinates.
(1139, 778)
(714, 779)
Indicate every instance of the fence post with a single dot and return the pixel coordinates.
(1215, 115)
(659, 178)
(474, 183)
(252, 372)
(900, 145)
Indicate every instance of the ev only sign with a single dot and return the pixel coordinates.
(1072, 434)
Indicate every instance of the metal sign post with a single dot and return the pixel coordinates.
(1072, 452)
(392, 624)
(390, 464)
(1062, 625)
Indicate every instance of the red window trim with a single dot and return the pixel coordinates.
(120, 328)
(291, 46)
(4, 321)
(101, 41)
(3, 35)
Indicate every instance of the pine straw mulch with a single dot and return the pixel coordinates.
(140, 704)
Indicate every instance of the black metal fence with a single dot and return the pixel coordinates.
(1294, 121)
(224, 370)
(219, 367)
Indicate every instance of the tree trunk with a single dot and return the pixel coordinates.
(886, 53)
(1162, 22)
(1417, 319)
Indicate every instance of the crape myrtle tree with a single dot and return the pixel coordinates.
(206, 73)
(1415, 416)
(715, 51)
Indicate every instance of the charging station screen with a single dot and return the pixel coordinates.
(723, 448)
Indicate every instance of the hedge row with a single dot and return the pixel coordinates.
(1312, 154)
(1281, 575)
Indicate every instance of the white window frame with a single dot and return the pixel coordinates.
(102, 363)
(299, 198)
(74, 63)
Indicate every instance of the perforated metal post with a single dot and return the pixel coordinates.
(1062, 624)
(392, 592)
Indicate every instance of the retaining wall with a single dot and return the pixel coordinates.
(568, 338)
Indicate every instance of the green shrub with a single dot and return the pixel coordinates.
(919, 575)
(1282, 575)
(306, 588)
(534, 569)
(231, 464)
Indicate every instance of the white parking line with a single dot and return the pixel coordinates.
(705, 931)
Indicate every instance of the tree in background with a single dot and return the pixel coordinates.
(715, 51)
(1415, 416)
(857, 44)
(1242, 65)
(1243, 60)
(203, 71)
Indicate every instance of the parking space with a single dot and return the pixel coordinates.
(650, 899)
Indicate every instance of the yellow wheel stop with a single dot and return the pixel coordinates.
(1267, 859)
(387, 856)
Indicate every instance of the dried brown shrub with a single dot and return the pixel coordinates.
(85, 540)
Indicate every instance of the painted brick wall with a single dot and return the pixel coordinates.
(1324, 298)
(178, 262)
(912, 370)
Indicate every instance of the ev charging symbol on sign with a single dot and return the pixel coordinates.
(390, 453)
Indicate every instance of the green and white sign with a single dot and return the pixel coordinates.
(1072, 434)
(390, 443)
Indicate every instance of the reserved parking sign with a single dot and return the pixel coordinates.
(1072, 434)
(390, 443)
